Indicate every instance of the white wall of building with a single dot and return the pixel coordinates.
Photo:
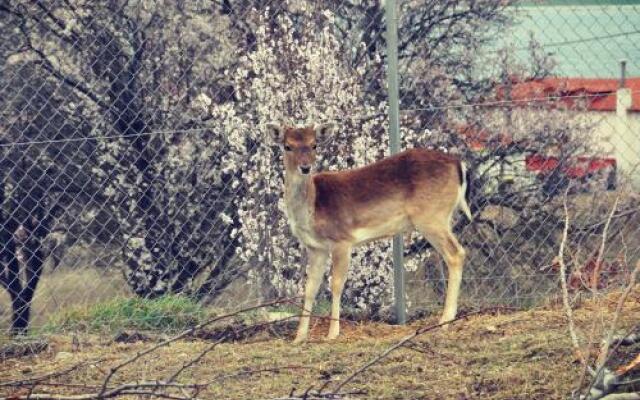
(612, 134)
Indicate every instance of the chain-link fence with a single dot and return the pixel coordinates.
(135, 163)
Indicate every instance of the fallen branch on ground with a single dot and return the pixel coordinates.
(627, 340)
(139, 388)
(213, 345)
(185, 333)
(312, 395)
(626, 368)
(389, 350)
(166, 389)
(606, 381)
(37, 380)
(22, 348)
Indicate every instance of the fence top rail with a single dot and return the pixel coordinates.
(493, 103)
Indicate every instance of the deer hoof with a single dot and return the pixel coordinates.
(299, 340)
(332, 335)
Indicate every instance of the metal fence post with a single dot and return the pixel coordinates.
(394, 143)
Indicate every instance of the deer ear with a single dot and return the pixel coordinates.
(323, 131)
(275, 132)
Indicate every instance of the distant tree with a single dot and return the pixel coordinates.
(114, 72)
(36, 180)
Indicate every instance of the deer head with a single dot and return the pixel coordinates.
(300, 145)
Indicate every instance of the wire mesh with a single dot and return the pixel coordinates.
(135, 164)
(536, 105)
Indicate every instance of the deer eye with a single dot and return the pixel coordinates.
(287, 147)
(315, 146)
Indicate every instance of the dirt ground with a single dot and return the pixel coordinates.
(500, 355)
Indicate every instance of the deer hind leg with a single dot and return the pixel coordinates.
(341, 257)
(315, 273)
(443, 240)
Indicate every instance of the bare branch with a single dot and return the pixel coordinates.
(626, 340)
(565, 291)
(213, 345)
(604, 354)
(631, 366)
(259, 371)
(185, 333)
(603, 380)
(149, 388)
(311, 395)
(596, 272)
(125, 389)
(396, 346)
(40, 379)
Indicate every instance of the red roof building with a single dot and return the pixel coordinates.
(591, 93)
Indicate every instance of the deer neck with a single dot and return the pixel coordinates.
(300, 200)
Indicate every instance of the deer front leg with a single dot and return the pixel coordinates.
(315, 272)
(341, 256)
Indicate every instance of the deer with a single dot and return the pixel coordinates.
(331, 212)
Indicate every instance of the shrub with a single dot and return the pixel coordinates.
(166, 313)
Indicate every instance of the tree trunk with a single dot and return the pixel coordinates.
(21, 293)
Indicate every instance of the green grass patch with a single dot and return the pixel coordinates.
(167, 313)
(322, 308)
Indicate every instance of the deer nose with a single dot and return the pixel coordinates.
(305, 169)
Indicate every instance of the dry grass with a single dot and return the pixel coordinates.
(520, 355)
(65, 289)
